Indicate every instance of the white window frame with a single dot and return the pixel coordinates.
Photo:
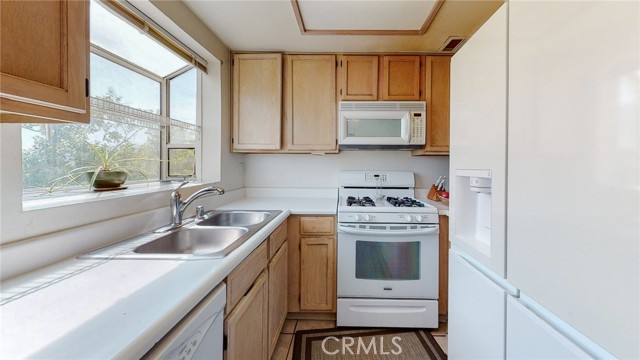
(166, 109)
(164, 101)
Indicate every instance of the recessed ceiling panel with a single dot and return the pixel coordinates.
(274, 26)
(362, 15)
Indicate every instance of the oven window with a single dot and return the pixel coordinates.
(388, 260)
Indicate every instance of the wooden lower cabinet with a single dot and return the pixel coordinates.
(243, 276)
(246, 328)
(318, 273)
(278, 289)
(312, 264)
(257, 304)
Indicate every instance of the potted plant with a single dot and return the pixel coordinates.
(109, 172)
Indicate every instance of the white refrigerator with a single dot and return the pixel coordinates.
(545, 184)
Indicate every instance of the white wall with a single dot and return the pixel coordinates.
(316, 171)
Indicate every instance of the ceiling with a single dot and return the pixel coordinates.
(276, 25)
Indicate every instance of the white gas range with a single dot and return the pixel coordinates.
(387, 252)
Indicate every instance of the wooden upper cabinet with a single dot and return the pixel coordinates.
(44, 61)
(359, 77)
(310, 102)
(401, 78)
(257, 101)
(438, 103)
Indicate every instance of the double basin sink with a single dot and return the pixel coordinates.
(215, 235)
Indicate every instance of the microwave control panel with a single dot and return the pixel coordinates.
(417, 128)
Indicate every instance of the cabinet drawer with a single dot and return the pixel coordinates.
(241, 278)
(278, 236)
(324, 225)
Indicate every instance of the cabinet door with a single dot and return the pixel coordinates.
(318, 273)
(293, 241)
(310, 102)
(257, 101)
(44, 58)
(401, 78)
(438, 69)
(247, 325)
(359, 80)
(278, 291)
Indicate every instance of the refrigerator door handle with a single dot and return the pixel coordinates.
(503, 283)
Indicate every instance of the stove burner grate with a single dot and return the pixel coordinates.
(365, 201)
(404, 202)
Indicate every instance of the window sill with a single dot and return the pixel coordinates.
(46, 201)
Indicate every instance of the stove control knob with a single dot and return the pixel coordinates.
(407, 218)
(367, 217)
(357, 217)
(419, 218)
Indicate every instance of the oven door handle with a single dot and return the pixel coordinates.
(431, 229)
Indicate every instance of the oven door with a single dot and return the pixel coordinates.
(375, 261)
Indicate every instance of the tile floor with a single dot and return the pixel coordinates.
(284, 347)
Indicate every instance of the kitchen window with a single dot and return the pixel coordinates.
(144, 103)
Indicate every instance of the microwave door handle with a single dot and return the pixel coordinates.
(432, 229)
(406, 125)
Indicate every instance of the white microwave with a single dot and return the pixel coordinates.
(382, 125)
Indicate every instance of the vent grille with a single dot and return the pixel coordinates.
(452, 44)
(383, 105)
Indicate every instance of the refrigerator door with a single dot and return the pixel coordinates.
(478, 144)
(530, 337)
(476, 324)
(574, 165)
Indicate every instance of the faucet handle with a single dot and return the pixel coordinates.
(175, 192)
(182, 184)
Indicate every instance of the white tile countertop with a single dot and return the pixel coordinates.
(79, 309)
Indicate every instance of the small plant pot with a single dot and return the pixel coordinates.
(107, 179)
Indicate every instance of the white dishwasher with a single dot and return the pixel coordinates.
(199, 334)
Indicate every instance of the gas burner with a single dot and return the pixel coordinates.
(365, 201)
(404, 202)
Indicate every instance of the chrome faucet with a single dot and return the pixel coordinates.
(178, 206)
